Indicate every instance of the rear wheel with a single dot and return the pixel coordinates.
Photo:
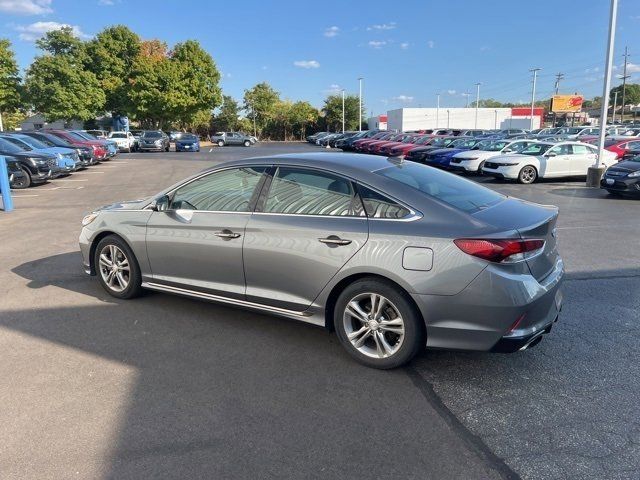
(528, 174)
(117, 268)
(377, 324)
(247, 143)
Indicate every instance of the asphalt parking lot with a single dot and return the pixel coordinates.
(168, 387)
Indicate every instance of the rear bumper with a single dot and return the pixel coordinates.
(484, 313)
(516, 344)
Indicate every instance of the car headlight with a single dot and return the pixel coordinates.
(635, 174)
(38, 161)
(469, 158)
(89, 218)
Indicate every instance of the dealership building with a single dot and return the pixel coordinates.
(403, 119)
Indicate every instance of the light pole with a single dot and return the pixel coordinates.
(624, 81)
(533, 94)
(467, 95)
(615, 105)
(343, 110)
(594, 174)
(437, 110)
(477, 102)
(360, 104)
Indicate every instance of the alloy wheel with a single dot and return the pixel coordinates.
(528, 174)
(114, 268)
(373, 325)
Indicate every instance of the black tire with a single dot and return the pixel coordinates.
(27, 181)
(133, 288)
(247, 143)
(613, 193)
(167, 148)
(414, 329)
(528, 175)
(220, 143)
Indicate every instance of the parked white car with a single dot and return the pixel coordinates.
(125, 140)
(473, 160)
(547, 160)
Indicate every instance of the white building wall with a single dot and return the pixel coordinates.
(403, 119)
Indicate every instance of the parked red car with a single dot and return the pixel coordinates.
(99, 149)
(361, 144)
(619, 147)
(405, 148)
(373, 146)
(408, 140)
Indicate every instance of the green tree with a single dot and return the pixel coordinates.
(195, 83)
(260, 103)
(111, 56)
(332, 110)
(10, 91)
(631, 97)
(303, 114)
(227, 118)
(58, 85)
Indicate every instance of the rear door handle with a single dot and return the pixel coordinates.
(227, 234)
(334, 240)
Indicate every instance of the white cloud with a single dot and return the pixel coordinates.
(307, 64)
(451, 92)
(106, 3)
(377, 44)
(333, 89)
(332, 32)
(32, 32)
(484, 48)
(633, 68)
(383, 26)
(404, 45)
(431, 44)
(26, 7)
(403, 98)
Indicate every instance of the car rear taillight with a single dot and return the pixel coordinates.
(500, 251)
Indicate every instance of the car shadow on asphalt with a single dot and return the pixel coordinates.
(219, 392)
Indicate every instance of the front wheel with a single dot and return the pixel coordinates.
(24, 182)
(220, 143)
(378, 324)
(117, 268)
(527, 175)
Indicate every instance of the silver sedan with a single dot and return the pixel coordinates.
(394, 256)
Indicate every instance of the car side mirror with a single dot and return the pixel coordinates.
(552, 154)
(507, 150)
(160, 204)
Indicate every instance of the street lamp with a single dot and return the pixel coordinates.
(533, 94)
(343, 110)
(360, 104)
(594, 174)
(477, 102)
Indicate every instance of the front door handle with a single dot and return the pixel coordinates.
(334, 240)
(227, 234)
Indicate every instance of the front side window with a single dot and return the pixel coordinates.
(561, 150)
(309, 192)
(581, 150)
(225, 191)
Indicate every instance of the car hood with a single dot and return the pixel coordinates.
(626, 166)
(56, 150)
(476, 154)
(511, 157)
(127, 205)
(195, 140)
(32, 154)
(446, 151)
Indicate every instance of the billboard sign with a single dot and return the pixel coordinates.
(566, 103)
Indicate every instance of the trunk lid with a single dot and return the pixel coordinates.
(531, 221)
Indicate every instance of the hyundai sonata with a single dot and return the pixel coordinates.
(392, 255)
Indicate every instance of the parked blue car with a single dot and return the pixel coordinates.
(68, 159)
(187, 142)
(441, 157)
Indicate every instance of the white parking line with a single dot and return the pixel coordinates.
(23, 196)
(210, 150)
(92, 172)
(72, 180)
(117, 161)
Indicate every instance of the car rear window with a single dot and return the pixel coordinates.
(458, 192)
(152, 135)
(118, 135)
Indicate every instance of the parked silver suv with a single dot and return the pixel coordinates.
(231, 138)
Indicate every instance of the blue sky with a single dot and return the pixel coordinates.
(407, 51)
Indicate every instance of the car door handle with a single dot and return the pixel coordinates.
(227, 234)
(334, 240)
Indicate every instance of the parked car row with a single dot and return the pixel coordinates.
(35, 157)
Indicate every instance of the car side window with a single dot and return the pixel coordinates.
(561, 150)
(632, 146)
(581, 150)
(377, 205)
(310, 192)
(225, 191)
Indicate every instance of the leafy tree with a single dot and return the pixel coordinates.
(303, 114)
(111, 56)
(632, 94)
(260, 104)
(227, 118)
(10, 92)
(57, 84)
(282, 118)
(332, 110)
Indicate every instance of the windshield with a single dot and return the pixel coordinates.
(441, 142)
(19, 143)
(118, 135)
(85, 135)
(491, 145)
(188, 136)
(77, 137)
(51, 142)
(152, 135)
(458, 192)
(32, 142)
(536, 149)
(632, 132)
(9, 147)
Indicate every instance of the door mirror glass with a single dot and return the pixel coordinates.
(160, 204)
(552, 154)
